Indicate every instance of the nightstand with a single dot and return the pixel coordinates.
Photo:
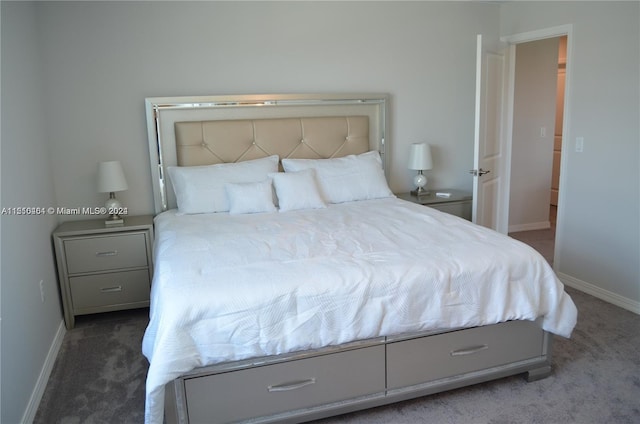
(459, 203)
(103, 269)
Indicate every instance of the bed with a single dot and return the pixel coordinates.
(290, 284)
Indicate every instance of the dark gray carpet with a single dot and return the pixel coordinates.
(99, 375)
(99, 378)
(596, 379)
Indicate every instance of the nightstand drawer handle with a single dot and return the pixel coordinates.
(109, 253)
(111, 289)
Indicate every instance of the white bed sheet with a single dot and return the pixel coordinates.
(230, 287)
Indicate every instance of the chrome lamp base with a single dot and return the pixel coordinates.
(420, 191)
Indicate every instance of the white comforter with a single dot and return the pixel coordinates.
(229, 287)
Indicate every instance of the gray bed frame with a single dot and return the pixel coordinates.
(308, 385)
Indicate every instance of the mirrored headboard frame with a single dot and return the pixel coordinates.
(163, 112)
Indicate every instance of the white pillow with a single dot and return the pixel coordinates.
(297, 190)
(250, 197)
(345, 179)
(200, 189)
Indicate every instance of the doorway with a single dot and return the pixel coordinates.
(536, 138)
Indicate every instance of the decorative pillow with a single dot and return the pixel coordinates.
(345, 179)
(250, 197)
(200, 189)
(297, 190)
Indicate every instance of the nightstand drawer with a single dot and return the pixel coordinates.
(458, 202)
(105, 253)
(102, 268)
(114, 288)
(461, 209)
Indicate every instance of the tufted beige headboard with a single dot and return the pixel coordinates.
(211, 142)
(209, 130)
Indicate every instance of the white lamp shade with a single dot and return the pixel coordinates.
(420, 157)
(111, 177)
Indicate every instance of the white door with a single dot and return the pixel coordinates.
(488, 182)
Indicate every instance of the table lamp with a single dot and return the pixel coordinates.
(420, 160)
(111, 179)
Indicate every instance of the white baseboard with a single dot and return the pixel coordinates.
(600, 293)
(45, 373)
(530, 226)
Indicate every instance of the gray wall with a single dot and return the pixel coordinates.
(103, 59)
(28, 325)
(75, 75)
(598, 248)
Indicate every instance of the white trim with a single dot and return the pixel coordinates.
(476, 130)
(600, 293)
(508, 96)
(565, 146)
(539, 34)
(512, 40)
(43, 378)
(531, 226)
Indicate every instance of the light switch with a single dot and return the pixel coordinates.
(579, 144)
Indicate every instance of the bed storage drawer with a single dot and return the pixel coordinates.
(110, 289)
(424, 359)
(106, 253)
(271, 389)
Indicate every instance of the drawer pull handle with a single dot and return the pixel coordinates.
(111, 289)
(109, 253)
(469, 350)
(291, 386)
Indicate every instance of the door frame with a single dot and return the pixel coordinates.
(512, 41)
